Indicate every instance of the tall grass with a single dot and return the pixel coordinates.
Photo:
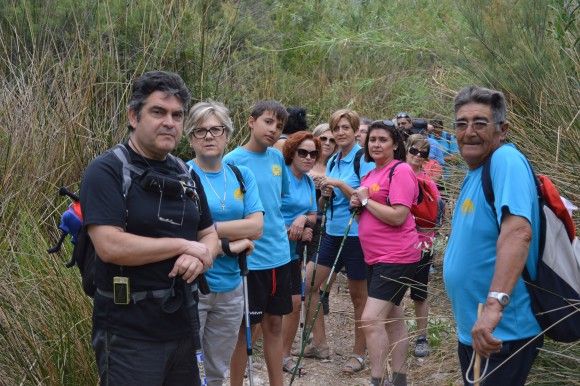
(65, 72)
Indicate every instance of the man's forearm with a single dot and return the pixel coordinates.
(512, 252)
(113, 245)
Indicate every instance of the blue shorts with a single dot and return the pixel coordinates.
(351, 257)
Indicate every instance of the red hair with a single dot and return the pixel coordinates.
(292, 143)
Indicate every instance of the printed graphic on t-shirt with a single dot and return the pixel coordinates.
(238, 195)
(276, 170)
(467, 206)
(375, 187)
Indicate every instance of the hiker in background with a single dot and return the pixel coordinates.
(269, 264)
(238, 219)
(148, 243)
(342, 179)
(301, 151)
(296, 122)
(483, 263)
(390, 244)
(404, 124)
(363, 129)
(417, 154)
(446, 143)
(318, 173)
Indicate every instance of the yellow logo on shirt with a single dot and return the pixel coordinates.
(276, 170)
(375, 187)
(238, 195)
(467, 206)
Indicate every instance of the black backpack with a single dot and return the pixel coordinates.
(84, 254)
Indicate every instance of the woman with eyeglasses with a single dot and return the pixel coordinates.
(390, 244)
(417, 154)
(238, 219)
(342, 178)
(301, 150)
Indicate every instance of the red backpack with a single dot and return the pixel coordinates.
(428, 210)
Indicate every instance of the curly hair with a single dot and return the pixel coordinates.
(291, 145)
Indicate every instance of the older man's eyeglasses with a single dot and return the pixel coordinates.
(201, 132)
(303, 153)
(420, 153)
(478, 124)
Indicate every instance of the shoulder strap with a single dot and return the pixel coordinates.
(391, 178)
(332, 161)
(121, 152)
(487, 185)
(239, 177)
(357, 158)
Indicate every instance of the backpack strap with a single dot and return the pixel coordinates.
(121, 152)
(332, 161)
(356, 163)
(391, 172)
(239, 177)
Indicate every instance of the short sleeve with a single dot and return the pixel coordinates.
(403, 189)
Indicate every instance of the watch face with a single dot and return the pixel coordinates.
(504, 299)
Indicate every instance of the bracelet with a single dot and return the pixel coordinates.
(226, 247)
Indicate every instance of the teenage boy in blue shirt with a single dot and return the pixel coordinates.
(269, 264)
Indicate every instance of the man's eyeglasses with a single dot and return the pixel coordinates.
(403, 115)
(421, 153)
(327, 139)
(477, 125)
(201, 132)
(303, 153)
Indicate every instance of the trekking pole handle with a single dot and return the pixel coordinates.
(63, 191)
(243, 262)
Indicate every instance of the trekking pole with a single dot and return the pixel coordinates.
(322, 231)
(303, 292)
(477, 364)
(191, 303)
(327, 284)
(243, 262)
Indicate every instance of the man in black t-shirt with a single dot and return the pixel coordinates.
(150, 243)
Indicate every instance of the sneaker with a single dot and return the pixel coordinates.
(325, 302)
(421, 347)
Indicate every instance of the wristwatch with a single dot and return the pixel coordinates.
(364, 202)
(501, 297)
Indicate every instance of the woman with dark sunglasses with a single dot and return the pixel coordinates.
(417, 154)
(238, 217)
(390, 244)
(301, 150)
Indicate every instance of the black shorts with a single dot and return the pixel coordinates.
(421, 278)
(351, 257)
(296, 277)
(389, 282)
(269, 292)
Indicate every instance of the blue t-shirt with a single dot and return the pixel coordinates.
(224, 276)
(271, 250)
(338, 214)
(435, 151)
(300, 200)
(469, 261)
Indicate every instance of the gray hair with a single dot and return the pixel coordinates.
(318, 130)
(485, 96)
(206, 109)
(418, 141)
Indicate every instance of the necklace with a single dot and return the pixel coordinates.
(220, 199)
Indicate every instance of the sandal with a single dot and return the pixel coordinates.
(353, 364)
(288, 365)
(312, 351)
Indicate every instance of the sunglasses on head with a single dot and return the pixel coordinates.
(421, 153)
(302, 153)
(403, 115)
(327, 139)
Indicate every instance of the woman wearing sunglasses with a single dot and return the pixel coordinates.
(301, 150)
(238, 217)
(417, 154)
(342, 179)
(390, 244)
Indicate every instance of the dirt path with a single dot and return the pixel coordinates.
(439, 368)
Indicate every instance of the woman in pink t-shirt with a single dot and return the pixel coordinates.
(417, 154)
(391, 247)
